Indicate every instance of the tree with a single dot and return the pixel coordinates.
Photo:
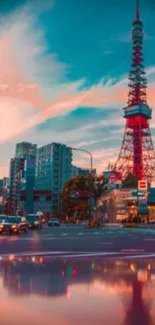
(88, 185)
(130, 181)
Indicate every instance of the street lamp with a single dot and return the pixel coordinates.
(91, 169)
(91, 157)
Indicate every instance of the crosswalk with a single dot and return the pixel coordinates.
(48, 237)
(130, 254)
(65, 233)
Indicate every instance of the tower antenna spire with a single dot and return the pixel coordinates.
(137, 10)
(137, 155)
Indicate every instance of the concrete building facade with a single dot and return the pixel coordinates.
(22, 176)
(53, 169)
(77, 171)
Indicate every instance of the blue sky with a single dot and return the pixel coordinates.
(64, 69)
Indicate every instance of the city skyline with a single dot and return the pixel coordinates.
(57, 92)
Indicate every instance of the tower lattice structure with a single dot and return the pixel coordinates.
(137, 155)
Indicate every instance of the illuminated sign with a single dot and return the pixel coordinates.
(140, 193)
(142, 185)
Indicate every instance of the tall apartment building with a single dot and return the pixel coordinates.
(4, 189)
(53, 169)
(26, 150)
(1, 187)
(82, 171)
(16, 173)
(22, 176)
(5, 181)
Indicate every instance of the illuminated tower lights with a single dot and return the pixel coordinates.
(137, 155)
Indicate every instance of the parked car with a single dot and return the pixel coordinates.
(132, 222)
(152, 222)
(34, 221)
(54, 222)
(2, 217)
(13, 225)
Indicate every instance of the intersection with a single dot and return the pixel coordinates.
(77, 239)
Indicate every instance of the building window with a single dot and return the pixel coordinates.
(48, 198)
(36, 198)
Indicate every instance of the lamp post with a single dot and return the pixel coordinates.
(91, 169)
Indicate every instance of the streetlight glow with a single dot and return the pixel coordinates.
(91, 170)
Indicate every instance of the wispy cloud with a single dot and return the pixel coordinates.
(101, 159)
(34, 86)
(26, 92)
(126, 37)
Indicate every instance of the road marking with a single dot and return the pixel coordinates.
(62, 237)
(60, 254)
(68, 254)
(139, 256)
(91, 254)
(109, 232)
(80, 233)
(23, 238)
(35, 253)
(95, 233)
(106, 243)
(132, 250)
(64, 234)
(47, 235)
(149, 239)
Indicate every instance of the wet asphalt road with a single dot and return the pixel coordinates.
(73, 275)
(95, 291)
(78, 239)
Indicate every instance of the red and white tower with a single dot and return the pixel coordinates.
(137, 155)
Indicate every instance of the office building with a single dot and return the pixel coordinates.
(1, 187)
(22, 176)
(5, 181)
(16, 174)
(26, 150)
(53, 169)
(77, 171)
(4, 189)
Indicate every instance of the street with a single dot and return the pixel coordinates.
(77, 275)
(77, 239)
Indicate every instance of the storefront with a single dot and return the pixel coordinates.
(118, 204)
(151, 204)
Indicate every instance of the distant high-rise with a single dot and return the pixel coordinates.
(16, 172)
(1, 186)
(25, 150)
(77, 171)
(53, 169)
(5, 181)
(22, 176)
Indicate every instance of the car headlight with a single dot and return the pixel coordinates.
(36, 223)
(1, 226)
(14, 226)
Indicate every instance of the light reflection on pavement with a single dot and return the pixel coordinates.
(94, 291)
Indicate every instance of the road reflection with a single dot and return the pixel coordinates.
(94, 292)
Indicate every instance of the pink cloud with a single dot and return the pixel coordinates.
(26, 99)
(23, 100)
(13, 83)
(101, 158)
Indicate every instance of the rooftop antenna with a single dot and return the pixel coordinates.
(137, 10)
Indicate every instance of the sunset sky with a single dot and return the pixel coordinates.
(63, 74)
